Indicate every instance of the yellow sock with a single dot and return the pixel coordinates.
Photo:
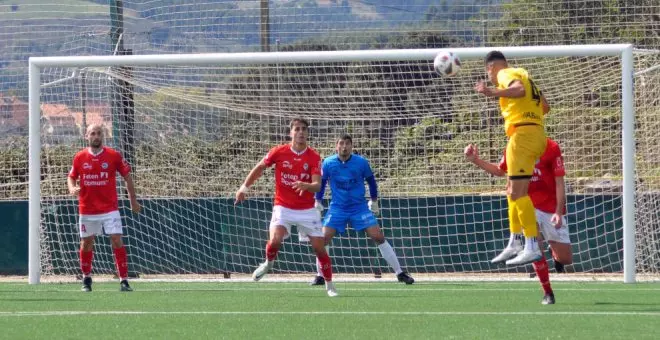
(515, 227)
(527, 216)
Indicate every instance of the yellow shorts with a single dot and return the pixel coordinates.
(524, 149)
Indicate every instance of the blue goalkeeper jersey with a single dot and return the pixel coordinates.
(347, 182)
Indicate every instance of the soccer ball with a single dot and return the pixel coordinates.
(447, 64)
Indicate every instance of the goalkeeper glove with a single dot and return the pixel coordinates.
(373, 206)
(319, 206)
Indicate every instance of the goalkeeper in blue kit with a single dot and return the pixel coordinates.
(347, 173)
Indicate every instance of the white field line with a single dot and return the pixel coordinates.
(418, 313)
(342, 287)
(342, 277)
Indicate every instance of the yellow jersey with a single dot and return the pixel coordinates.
(527, 109)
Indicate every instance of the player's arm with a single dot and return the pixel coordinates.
(72, 183)
(130, 188)
(313, 186)
(251, 178)
(324, 181)
(319, 194)
(318, 197)
(516, 89)
(560, 189)
(370, 178)
(373, 194)
(72, 180)
(472, 155)
(546, 106)
(124, 170)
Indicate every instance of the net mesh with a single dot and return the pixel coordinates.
(199, 130)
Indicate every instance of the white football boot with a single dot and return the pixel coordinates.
(330, 287)
(262, 270)
(526, 256)
(509, 252)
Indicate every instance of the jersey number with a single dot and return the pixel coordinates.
(536, 93)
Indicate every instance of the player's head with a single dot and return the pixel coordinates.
(494, 62)
(94, 135)
(299, 130)
(344, 146)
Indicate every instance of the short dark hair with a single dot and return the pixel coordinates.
(298, 120)
(494, 55)
(345, 136)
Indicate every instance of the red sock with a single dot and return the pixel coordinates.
(271, 251)
(86, 258)
(541, 268)
(326, 266)
(121, 262)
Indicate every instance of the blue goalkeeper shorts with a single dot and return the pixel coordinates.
(360, 219)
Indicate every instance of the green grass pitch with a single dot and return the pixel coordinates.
(388, 310)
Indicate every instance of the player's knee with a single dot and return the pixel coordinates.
(116, 241)
(562, 252)
(379, 239)
(318, 244)
(566, 258)
(87, 243)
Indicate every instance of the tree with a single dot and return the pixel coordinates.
(532, 22)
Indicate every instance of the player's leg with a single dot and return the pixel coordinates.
(279, 230)
(541, 269)
(524, 148)
(328, 234)
(278, 234)
(121, 261)
(515, 232)
(386, 250)
(334, 222)
(515, 227)
(309, 226)
(318, 244)
(86, 258)
(562, 254)
(522, 205)
(113, 227)
(89, 227)
(558, 238)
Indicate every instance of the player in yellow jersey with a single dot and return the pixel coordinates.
(523, 107)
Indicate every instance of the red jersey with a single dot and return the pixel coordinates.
(290, 167)
(97, 176)
(542, 190)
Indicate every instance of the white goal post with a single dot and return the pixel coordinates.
(624, 53)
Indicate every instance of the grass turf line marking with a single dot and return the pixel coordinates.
(421, 313)
(402, 289)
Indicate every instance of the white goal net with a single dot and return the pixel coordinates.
(192, 131)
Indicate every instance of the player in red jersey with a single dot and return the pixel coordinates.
(297, 178)
(548, 194)
(93, 180)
